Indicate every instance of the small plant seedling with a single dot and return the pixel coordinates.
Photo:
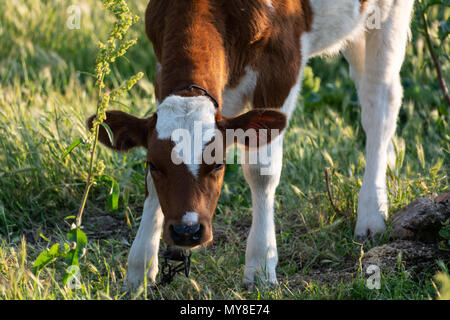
(75, 244)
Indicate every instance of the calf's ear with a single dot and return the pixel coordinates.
(127, 131)
(259, 125)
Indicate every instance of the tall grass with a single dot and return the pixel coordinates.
(47, 92)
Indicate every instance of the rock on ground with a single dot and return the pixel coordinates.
(416, 232)
(422, 219)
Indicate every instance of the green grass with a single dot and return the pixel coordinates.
(46, 94)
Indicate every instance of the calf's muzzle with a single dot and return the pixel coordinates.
(186, 235)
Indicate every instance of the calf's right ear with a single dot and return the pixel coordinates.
(128, 131)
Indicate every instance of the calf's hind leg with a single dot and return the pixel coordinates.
(380, 94)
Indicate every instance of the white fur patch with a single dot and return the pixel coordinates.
(234, 99)
(143, 257)
(190, 218)
(334, 24)
(192, 115)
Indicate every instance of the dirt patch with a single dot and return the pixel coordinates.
(414, 247)
(328, 277)
(105, 226)
(412, 255)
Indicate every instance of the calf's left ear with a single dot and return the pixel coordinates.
(128, 131)
(262, 124)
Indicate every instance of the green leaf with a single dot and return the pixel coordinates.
(78, 242)
(63, 249)
(114, 192)
(53, 251)
(48, 256)
(44, 237)
(42, 260)
(109, 132)
(72, 146)
(66, 278)
(113, 197)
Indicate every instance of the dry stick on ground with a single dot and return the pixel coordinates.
(434, 57)
(327, 181)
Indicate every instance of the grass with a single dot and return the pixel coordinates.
(47, 92)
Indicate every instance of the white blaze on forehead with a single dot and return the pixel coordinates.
(195, 116)
(190, 218)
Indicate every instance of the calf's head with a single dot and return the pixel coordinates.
(187, 170)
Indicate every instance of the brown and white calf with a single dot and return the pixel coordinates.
(253, 51)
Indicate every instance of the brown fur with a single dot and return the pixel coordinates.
(209, 43)
(265, 119)
(178, 191)
(188, 46)
(129, 132)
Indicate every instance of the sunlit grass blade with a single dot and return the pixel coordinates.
(109, 132)
(71, 147)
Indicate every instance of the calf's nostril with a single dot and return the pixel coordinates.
(194, 229)
(174, 233)
(198, 234)
(180, 229)
(186, 229)
(186, 234)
